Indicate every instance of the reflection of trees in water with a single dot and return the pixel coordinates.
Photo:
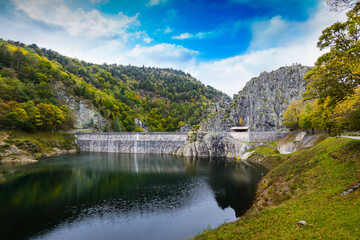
(234, 186)
(92, 184)
(47, 197)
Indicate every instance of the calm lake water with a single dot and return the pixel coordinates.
(121, 196)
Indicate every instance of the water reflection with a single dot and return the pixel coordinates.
(66, 196)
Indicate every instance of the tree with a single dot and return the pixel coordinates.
(292, 114)
(17, 118)
(334, 82)
(118, 126)
(69, 118)
(49, 116)
(337, 73)
(347, 114)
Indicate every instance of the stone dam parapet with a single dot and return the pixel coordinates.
(149, 142)
(223, 144)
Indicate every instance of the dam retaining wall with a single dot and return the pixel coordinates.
(154, 142)
(145, 142)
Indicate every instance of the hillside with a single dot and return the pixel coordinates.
(308, 185)
(43, 90)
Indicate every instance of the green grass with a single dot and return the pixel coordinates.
(305, 185)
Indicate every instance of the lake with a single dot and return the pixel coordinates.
(121, 196)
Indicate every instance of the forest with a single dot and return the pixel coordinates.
(331, 102)
(164, 99)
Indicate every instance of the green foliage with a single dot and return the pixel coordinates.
(331, 97)
(164, 99)
(347, 113)
(336, 73)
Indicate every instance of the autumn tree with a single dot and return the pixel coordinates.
(49, 116)
(347, 114)
(291, 115)
(337, 72)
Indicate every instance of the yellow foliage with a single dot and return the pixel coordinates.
(291, 115)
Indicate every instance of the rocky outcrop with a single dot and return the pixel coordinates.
(86, 115)
(260, 106)
(214, 145)
(25, 149)
(11, 153)
(141, 125)
(261, 103)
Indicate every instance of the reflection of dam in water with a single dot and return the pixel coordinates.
(137, 163)
(62, 189)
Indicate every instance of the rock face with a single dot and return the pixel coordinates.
(86, 115)
(260, 106)
(213, 145)
(261, 103)
(140, 124)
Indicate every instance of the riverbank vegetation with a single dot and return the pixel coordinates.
(303, 186)
(332, 100)
(23, 146)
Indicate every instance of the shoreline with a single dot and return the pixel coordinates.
(24, 147)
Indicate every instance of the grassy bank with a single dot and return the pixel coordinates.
(33, 145)
(305, 185)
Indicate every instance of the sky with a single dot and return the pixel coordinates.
(222, 43)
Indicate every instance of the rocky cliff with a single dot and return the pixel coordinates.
(213, 145)
(261, 103)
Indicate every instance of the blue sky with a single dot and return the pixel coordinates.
(222, 43)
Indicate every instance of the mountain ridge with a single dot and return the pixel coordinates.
(113, 97)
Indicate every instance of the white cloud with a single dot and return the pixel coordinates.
(155, 2)
(168, 30)
(161, 55)
(148, 39)
(273, 32)
(183, 36)
(199, 35)
(231, 74)
(98, 1)
(92, 24)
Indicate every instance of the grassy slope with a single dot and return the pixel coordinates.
(305, 185)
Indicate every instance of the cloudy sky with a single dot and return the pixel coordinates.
(223, 43)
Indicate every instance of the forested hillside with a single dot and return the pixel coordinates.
(35, 84)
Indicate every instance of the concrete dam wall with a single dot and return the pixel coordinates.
(149, 142)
